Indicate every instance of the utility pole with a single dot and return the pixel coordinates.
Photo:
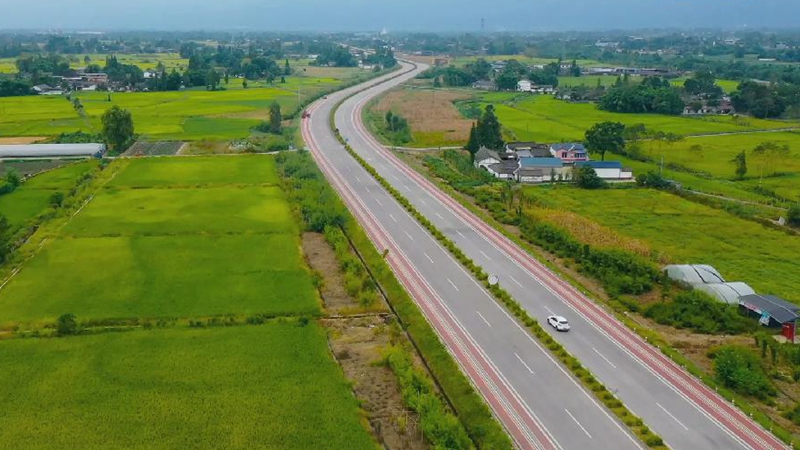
(483, 25)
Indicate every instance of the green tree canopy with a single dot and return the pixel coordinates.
(472, 144)
(275, 118)
(740, 163)
(605, 136)
(793, 216)
(585, 177)
(118, 129)
(488, 130)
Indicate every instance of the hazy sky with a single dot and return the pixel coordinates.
(405, 15)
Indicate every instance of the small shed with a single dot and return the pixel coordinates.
(608, 170)
(773, 311)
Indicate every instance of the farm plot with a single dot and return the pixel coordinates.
(217, 210)
(198, 171)
(158, 148)
(27, 167)
(691, 233)
(268, 386)
(143, 248)
(33, 196)
(161, 276)
(545, 119)
(192, 114)
(432, 115)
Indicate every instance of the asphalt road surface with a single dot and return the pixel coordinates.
(537, 400)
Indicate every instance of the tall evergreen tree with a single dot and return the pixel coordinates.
(287, 69)
(275, 118)
(740, 163)
(472, 144)
(488, 130)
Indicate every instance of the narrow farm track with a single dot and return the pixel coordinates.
(679, 407)
(537, 400)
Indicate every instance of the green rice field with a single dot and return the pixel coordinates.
(33, 196)
(170, 237)
(691, 233)
(191, 114)
(197, 172)
(267, 386)
(173, 238)
(546, 119)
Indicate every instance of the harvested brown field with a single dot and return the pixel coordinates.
(22, 140)
(590, 232)
(433, 117)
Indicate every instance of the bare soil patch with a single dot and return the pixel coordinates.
(322, 259)
(21, 140)
(429, 111)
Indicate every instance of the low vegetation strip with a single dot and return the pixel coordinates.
(321, 210)
(569, 361)
(263, 386)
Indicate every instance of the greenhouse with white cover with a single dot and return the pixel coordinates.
(52, 151)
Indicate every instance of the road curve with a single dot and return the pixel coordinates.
(675, 404)
(538, 402)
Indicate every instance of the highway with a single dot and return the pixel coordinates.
(537, 401)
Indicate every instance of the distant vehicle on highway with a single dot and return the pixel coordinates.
(558, 322)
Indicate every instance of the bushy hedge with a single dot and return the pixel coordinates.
(696, 311)
(316, 202)
(740, 369)
(620, 272)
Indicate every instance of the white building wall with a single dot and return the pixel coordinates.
(608, 174)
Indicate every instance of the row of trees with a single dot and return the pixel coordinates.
(652, 95)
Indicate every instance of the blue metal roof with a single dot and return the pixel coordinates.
(601, 164)
(540, 162)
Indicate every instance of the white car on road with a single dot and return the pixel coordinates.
(558, 322)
